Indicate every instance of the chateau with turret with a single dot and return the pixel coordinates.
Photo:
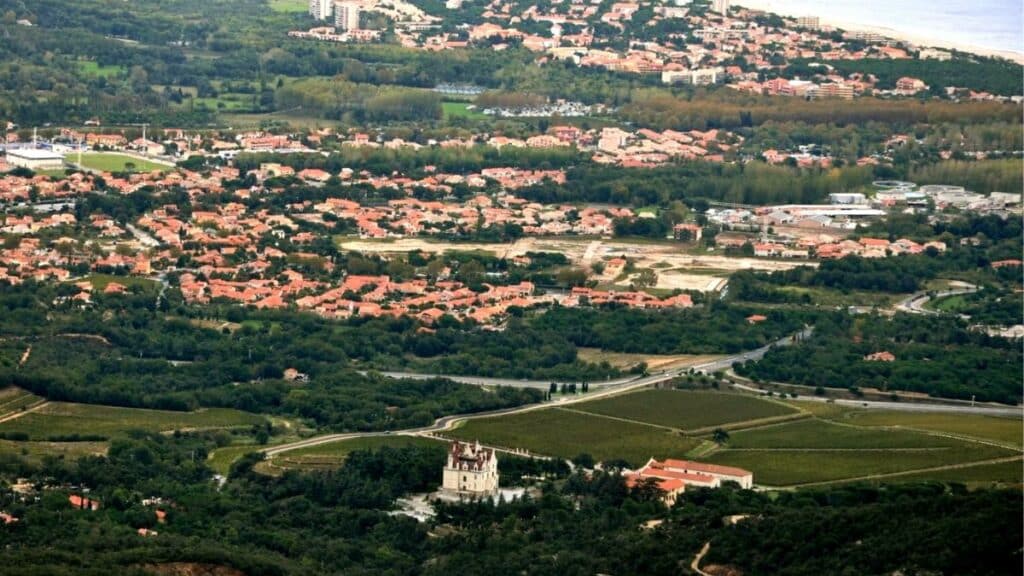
(471, 470)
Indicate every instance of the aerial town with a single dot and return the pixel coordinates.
(504, 287)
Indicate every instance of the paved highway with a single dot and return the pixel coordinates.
(965, 408)
(914, 303)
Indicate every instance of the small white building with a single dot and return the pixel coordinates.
(35, 159)
(471, 470)
(847, 198)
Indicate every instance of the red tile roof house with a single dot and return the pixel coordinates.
(83, 502)
(675, 475)
(882, 356)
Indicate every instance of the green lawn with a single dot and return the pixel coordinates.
(221, 459)
(224, 103)
(100, 281)
(460, 110)
(63, 418)
(92, 68)
(109, 162)
(1004, 430)
(289, 5)
(951, 304)
(566, 434)
(687, 410)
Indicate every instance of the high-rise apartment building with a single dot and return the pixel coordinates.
(346, 16)
(321, 9)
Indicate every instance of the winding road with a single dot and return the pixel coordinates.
(915, 303)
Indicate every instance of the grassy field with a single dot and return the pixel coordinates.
(222, 103)
(975, 476)
(100, 281)
(35, 451)
(818, 434)
(332, 455)
(14, 399)
(92, 68)
(108, 162)
(687, 410)
(822, 451)
(289, 5)
(566, 434)
(62, 419)
(1008, 431)
(793, 467)
(221, 459)
(460, 110)
(951, 304)
(831, 297)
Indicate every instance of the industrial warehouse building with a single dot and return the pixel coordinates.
(35, 159)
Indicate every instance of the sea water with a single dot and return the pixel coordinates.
(989, 24)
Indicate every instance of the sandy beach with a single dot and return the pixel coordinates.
(915, 38)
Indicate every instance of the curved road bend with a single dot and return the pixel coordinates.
(914, 303)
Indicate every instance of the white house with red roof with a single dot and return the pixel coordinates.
(674, 476)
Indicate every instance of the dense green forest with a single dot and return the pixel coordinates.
(935, 355)
(727, 109)
(337, 522)
(716, 329)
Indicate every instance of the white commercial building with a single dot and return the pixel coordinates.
(698, 77)
(847, 198)
(35, 159)
(809, 22)
(720, 6)
(346, 16)
(471, 470)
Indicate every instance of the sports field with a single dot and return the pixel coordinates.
(57, 419)
(109, 162)
(460, 110)
(688, 410)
